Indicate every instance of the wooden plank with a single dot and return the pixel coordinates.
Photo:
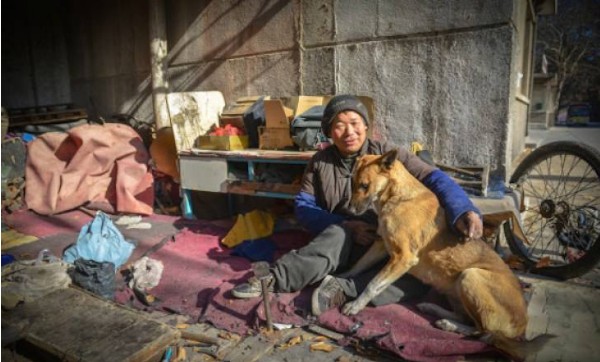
(253, 154)
(76, 326)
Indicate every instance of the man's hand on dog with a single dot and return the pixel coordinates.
(470, 225)
(362, 232)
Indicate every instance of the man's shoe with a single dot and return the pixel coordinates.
(327, 296)
(252, 288)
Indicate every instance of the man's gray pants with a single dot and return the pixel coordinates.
(334, 251)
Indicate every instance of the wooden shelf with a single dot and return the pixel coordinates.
(263, 188)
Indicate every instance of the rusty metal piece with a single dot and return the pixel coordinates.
(199, 337)
(262, 273)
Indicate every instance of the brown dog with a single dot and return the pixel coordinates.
(415, 234)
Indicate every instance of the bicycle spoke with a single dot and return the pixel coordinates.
(531, 187)
(591, 184)
(536, 240)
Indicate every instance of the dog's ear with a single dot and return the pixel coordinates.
(388, 159)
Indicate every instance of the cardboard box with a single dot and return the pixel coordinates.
(240, 106)
(280, 112)
(227, 143)
(274, 138)
(277, 115)
(301, 104)
(234, 113)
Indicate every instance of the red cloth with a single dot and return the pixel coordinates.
(103, 166)
(406, 332)
(199, 274)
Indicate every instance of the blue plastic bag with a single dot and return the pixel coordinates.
(101, 241)
(256, 250)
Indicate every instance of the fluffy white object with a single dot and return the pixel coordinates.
(146, 273)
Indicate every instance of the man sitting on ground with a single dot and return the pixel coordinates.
(322, 207)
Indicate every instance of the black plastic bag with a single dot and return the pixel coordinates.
(306, 129)
(96, 277)
(254, 117)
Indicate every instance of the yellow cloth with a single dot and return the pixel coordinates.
(253, 225)
(12, 238)
(416, 147)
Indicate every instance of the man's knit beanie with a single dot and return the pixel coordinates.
(337, 104)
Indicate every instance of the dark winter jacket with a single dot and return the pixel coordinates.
(324, 198)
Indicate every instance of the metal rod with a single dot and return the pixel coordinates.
(265, 293)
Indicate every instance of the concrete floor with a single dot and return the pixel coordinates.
(571, 311)
(568, 309)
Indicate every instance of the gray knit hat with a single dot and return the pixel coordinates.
(337, 104)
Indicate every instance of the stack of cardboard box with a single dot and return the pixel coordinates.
(276, 133)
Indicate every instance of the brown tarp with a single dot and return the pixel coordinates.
(103, 167)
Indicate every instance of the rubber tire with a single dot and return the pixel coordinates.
(591, 258)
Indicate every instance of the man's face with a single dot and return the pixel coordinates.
(348, 132)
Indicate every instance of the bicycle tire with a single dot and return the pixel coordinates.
(548, 204)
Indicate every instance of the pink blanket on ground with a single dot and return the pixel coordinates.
(199, 274)
(103, 166)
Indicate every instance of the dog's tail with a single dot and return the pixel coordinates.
(519, 349)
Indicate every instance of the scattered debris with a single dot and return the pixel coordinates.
(325, 332)
(128, 220)
(321, 346)
(146, 273)
(181, 354)
(141, 225)
(199, 337)
(211, 351)
(282, 326)
(356, 327)
(543, 262)
(229, 336)
(291, 342)
(514, 262)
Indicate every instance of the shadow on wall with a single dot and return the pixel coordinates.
(220, 54)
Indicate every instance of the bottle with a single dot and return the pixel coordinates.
(496, 188)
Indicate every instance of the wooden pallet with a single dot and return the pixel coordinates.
(74, 325)
(59, 113)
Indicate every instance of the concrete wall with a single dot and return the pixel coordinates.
(440, 72)
(109, 54)
(35, 70)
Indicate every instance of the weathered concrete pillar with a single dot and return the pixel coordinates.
(158, 62)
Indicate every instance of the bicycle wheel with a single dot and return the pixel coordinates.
(561, 194)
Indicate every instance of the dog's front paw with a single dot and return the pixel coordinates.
(352, 308)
